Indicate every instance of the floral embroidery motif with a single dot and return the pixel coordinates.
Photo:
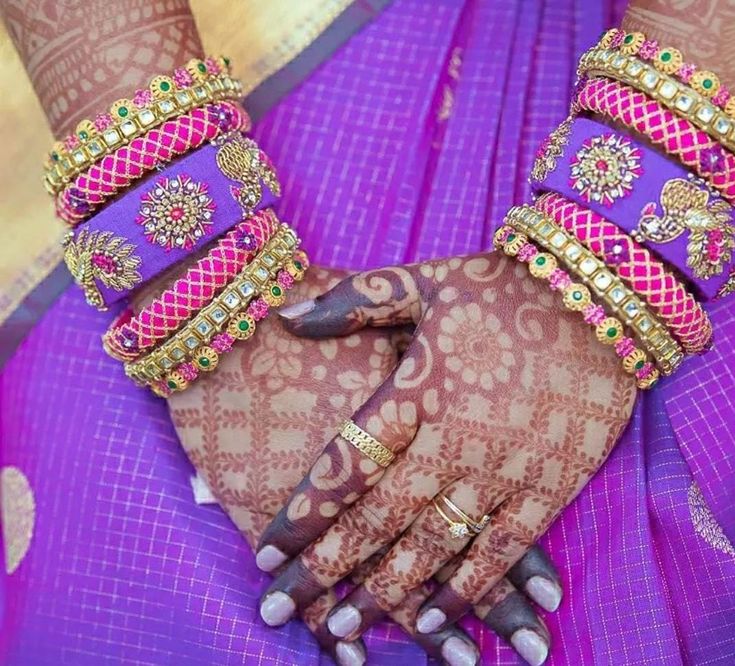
(704, 522)
(240, 159)
(176, 212)
(550, 150)
(690, 206)
(728, 287)
(101, 256)
(605, 168)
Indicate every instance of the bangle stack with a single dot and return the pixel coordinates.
(152, 180)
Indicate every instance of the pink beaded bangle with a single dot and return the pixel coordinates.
(129, 335)
(678, 136)
(646, 275)
(159, 146)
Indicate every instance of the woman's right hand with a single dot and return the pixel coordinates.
(254, 427)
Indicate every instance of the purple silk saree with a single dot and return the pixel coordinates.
(410, 142)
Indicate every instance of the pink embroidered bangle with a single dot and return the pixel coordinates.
(678, 137)
(647, 276)
(130, 335)
(159, 146)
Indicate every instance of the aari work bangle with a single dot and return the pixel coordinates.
(576, 297)
(670, 61)
(233, 316)
(653, 335)
(129, 119)
(647, 276)
(665, 89)
(116, 171)
(131, 335)
(677, 136)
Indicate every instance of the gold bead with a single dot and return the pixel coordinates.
(632, 43)
(85, 129)
(730, 107)
(514, 243)
(206, 359)
(176, 381)
(577, 297)
(161, 86)
(197, 69)
(500, 234)
(649, 381)
(242, 326)
(668, 61)
(609, 331)
(607, 39)
(705, 83)
(542, 265)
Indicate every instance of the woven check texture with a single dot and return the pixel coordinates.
(645, 274)
(677, 136)
(189, 294)
(159, 146)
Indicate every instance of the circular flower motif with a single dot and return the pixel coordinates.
(542, 265)
(705, 83)
(605, 168)
(609, 331)
(668, 61)
(577, 297)
(206, 359)
(634, 361)
(176, 212)
(632, 43)
(121, 109)
(242, 326)
(475, 347)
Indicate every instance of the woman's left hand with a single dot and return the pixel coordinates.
(503, 402)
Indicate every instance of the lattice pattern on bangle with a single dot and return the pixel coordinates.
(117, 170)
(129, 336)
(652, 334)
(647, 275)
(678, 137)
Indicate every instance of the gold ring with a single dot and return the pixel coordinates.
(366, 443)
(466, 526)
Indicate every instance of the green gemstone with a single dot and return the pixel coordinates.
(55, 157)
(540, 261)
(83, 135)
(639, 365)
(276, 291)
(666, 56)
(122, 111)
(299, 265)
(202, 68)
(511, 238)
(171, 384)
(612, 332)
(577, 295)
(227, 61)
(707, 84)
(628, 39)
(165, 86)
(244, 325)
(204, 362)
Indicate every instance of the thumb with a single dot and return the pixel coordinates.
(383, 297)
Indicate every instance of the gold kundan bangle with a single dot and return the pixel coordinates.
(619, 298)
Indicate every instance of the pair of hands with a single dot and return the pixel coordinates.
(488, 391)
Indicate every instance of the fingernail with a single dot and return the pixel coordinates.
(349, 654)
(344, 621)
(297, 309)
(430, 621)
(544, 592)
(530, 646)
(458, 653)
(277, 608)
(269, 558)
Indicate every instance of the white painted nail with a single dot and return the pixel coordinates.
(430, 621)
(544, 592)
(458, 653)
(530, 646)
(297, 309)
(277, 609)
(349, 654)
(269, 558)
(343, 622)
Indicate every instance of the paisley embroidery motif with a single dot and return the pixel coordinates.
(101, 256)
(605, 168)
(688, 205)
(550, 150)
(176, 212)
(241, 160)
(704, 522)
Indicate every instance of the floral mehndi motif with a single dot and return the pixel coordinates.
(102, 256)
(690, 206)
(176, 212)
(604, 168)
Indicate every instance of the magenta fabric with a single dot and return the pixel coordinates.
(411, 142)
(653, 172)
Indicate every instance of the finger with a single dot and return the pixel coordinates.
(512, 530)
(512, 617)
(424, 548)
(374, 521)
(344, 653)
(384, 297)
(537, 576)
(339, 476)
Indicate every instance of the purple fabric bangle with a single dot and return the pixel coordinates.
(163, 219)
(657, 201)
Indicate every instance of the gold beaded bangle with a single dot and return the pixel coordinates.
(127, 120)
(665, 89)
(224, 312)
(593, 272)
